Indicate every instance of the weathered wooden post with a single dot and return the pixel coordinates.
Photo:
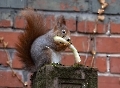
(65, 77)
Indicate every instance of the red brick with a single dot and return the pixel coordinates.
(86, 26)
(115, 27)
(108, 82)
(50, 22)
(3, 58)
(88, 60)
(64, 6)
(68, 60)
(10, 37)
(101, 27)
(67, 6)
(19, 22)
(108, 44)
(5, 23)
(101, 64)
(50, 19)
(115, 65)
(8, 80)
(90, 26)
(78, 42)
(76, 8)
(81, 26)
(16, 63)
(71, 24)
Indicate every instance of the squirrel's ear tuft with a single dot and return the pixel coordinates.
(61, 20)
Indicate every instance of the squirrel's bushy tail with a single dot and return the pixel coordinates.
(34, 28)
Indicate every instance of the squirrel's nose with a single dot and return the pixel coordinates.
(69, 40)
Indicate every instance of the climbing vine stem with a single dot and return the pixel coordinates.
(4, 45)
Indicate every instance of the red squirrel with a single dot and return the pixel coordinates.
(36, 46)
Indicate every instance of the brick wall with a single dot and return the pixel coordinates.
(80, 17)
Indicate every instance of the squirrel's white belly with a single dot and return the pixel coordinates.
(56, 57)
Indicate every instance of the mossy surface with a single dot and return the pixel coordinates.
(57, 76)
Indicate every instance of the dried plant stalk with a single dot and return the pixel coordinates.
(5, 44)
(100, 11)
(101, 17)
(102, 1)
(104, 5)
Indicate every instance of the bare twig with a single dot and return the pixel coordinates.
(5, 44)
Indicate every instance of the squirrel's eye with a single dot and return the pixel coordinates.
(63, 31)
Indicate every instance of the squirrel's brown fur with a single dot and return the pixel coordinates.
(33, 29)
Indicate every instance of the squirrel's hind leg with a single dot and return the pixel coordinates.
(44, 58)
